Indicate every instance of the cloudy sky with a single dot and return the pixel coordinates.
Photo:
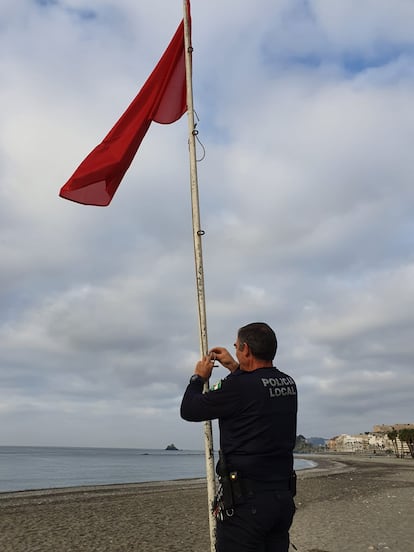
(306, 113)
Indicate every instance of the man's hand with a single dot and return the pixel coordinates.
(204, 367)
(224, 357)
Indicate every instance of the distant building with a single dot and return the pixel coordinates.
(387, 428)
(374, 442)
(400, 448)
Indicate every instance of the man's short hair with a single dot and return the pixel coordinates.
(260, 338)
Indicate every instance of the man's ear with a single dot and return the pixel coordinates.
(246, 350)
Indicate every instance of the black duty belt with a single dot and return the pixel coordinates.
(253, 485)
(234, 489)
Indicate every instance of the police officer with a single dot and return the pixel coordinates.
(256, 406)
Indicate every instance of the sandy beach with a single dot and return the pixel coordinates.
(347, 503)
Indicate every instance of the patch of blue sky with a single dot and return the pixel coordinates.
(210, 128)
(46, 3)
(354, 63)
(84, 14)
(216, 134)
(351, 63)
(299, 10)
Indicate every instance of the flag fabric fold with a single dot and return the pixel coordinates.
(162, 99)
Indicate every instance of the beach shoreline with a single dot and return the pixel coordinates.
(346, 503)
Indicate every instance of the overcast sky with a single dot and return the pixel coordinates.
(306, 113)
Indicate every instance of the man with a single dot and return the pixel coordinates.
(256, 406)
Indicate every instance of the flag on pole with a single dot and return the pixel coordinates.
(162, 99)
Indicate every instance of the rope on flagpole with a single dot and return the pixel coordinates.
(198, 259)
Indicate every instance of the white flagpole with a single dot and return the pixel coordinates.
(198, 258)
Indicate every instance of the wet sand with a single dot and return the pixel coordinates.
(346, 504)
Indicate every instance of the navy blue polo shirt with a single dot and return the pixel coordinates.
(257, 414)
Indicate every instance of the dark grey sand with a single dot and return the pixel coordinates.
(346, 504)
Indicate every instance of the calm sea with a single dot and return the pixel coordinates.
(28, 468)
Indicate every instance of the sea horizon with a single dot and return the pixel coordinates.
(34, 467)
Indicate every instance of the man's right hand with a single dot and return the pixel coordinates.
(224, 357)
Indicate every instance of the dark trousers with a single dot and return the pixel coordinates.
(260, 523)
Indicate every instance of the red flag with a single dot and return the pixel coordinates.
(162, 99)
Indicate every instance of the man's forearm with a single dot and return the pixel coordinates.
(190, 409)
